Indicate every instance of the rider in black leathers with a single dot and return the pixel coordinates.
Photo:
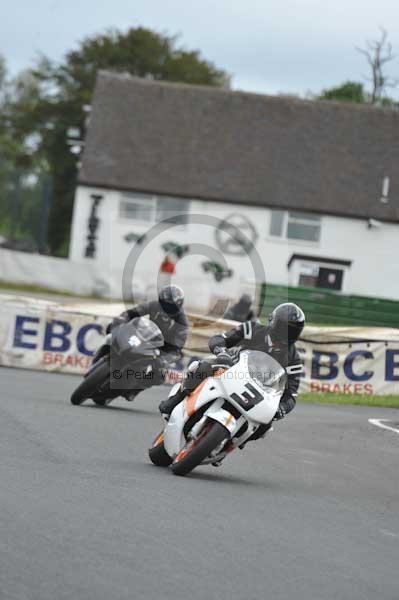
(278, 338)
(168, 314)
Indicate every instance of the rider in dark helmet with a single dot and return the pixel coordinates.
(168, 313)
(286, 323)
(241, 310)
(278, 338)
(171, 299)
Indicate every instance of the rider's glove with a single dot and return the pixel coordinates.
(172, 357)
(114, 323)
(224, 358)
(219, 350)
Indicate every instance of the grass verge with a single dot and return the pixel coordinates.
(355, 400)
(36, 289)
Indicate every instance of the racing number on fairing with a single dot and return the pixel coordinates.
(248, 399)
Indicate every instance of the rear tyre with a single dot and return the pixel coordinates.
(195, 452)
(89, 386)
(158, 454)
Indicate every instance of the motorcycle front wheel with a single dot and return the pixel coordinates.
(158, 454)
(89, 386)
(195, 451)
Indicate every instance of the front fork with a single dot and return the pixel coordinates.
(231, 423)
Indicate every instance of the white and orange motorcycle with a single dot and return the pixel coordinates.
(221, 414)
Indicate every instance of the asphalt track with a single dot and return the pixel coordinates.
(311, 513)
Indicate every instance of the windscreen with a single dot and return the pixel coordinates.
(147, 331)
(266, 371)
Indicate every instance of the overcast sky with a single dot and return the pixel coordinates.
(268, 46)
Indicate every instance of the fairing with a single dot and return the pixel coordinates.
(254, 386)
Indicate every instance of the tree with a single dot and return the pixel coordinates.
(21, 174)
(63, 91)
(378, 53)
(351, 91)
(3, 73)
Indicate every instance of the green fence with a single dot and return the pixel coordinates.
(330, 308)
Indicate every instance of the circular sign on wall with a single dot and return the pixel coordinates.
(236, 234)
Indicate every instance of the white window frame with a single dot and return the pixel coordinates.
(155, 210)
(283, 237)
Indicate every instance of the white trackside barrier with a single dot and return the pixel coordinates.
(42, 335)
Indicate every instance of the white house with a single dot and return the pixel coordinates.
(255, 188)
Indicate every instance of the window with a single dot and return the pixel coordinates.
(277, 222)
(294, 225)
(327, 278)
(303, 226)
(318, 271)
(176, 208)
(308, 274)
(137, 207)
(152, 209)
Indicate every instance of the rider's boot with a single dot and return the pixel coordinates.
(259, 433)
(131, 395)
(167, 406)
(197, 372)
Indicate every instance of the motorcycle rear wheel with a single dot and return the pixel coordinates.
(91, 383)
(195, 452)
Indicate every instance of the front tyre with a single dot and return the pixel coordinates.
(89, 386)
(194, 452)
(158, 454)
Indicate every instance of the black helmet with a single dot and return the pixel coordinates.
(286, 323)
(171, 298)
